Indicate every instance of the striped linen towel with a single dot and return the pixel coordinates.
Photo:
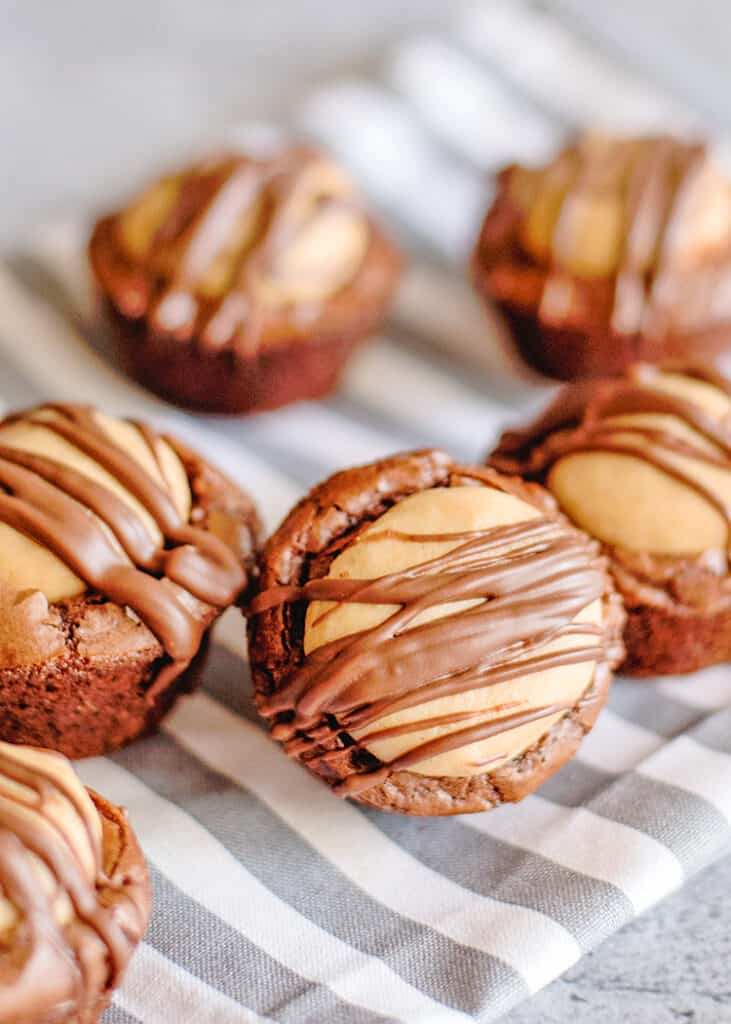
(274, 900)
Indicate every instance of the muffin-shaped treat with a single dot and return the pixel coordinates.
(643, 464)
(118, 549)
(74, 892)
(241, 284)
(432, 638)
(618, 251)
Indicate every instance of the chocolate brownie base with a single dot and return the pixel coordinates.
(300, 354)
(226, 382)
(95, 697)
(320, 526)
(678, 614)
(569, 354)
(663, 642)
(92, 694)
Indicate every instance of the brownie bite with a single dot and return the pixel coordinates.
(618, 251)
(118, 549)
(74, 892)
(239, 284)
(431, 638)
(643, 464)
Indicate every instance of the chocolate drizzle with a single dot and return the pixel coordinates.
(532, 579)
(56, 972)
(236, 209)
(579, 421)
(111, 550)
(649, 286)
(654, 179)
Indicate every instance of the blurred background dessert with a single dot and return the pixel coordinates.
(619, 250)
(241, 284)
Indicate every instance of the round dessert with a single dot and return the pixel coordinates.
(618, 251)
(431, 638)
(643, 464)
(118, 549)
(241, 284)
(74, 892)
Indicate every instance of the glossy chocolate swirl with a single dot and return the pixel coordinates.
(71, 927)
(104, 540)
(524, 584)
(653, 215)
(657, 417)
(218, 251)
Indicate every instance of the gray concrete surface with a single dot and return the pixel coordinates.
(669, 966)
(93, 92)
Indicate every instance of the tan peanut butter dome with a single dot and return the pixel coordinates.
(631, 233)
(89, 503)
(607, 204)
(64, 816)
(233, 242)
(26, 564)
(448, 637)
(74, 892)
(644, 463)
(393, 544)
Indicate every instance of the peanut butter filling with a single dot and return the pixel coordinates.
(447, 638)
(234, 240)
(610, 204)
(670, 498)
(448, 511)
(26, 565)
